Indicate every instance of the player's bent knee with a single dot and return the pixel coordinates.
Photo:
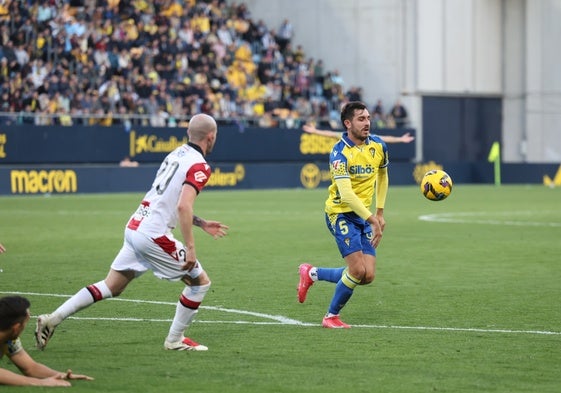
(201, 280)
(367, 279)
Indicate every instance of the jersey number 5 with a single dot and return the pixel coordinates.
(343, 227)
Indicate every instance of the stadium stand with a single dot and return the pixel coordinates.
(108, 62)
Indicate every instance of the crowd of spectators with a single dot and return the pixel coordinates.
(141, 62)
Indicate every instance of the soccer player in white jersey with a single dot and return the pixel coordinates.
(150, 245)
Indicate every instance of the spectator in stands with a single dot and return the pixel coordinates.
(284, 35)
(379, 109)
(126, 162)
(354, 94)
(45, 12)
(398, 114)
(5, 102)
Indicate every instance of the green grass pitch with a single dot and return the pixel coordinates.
(467, 296)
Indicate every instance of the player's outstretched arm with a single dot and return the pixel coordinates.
(313, 130)
(214, 228)
(36, 374)
(405, 138)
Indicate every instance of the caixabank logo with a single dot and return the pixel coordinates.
(150, 143)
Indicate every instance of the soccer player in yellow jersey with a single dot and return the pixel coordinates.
(358, 165)
(14, 316)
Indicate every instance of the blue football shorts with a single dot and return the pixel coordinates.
(351, 233)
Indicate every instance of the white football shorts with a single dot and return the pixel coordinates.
(164, 256)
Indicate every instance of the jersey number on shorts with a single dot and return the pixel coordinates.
(343, 227)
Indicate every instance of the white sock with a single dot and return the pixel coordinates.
(186, 310)
(313, 273)
(85, 297)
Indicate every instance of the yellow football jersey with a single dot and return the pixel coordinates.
(10, 347)
(358, 163)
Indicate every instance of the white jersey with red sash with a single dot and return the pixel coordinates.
(157, 213)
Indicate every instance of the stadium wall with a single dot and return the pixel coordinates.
(38, 145)
(409, 49)
(61, 160)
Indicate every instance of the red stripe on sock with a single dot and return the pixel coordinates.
(95, 292)
(189, 303)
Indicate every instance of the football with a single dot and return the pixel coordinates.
(436, 185)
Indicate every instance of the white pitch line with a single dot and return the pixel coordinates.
(295, 323)
(454, 218)
(280, 320)
(477, 330)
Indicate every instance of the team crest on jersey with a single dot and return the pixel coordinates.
(336, 164)
(372, 151)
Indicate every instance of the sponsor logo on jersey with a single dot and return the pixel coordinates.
(200, 176)
(141, 213)
(361, 170)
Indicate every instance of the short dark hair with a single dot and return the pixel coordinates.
(348, 110)
(13, 309)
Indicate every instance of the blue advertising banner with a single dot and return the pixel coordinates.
(74, 179)
(109, 145)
